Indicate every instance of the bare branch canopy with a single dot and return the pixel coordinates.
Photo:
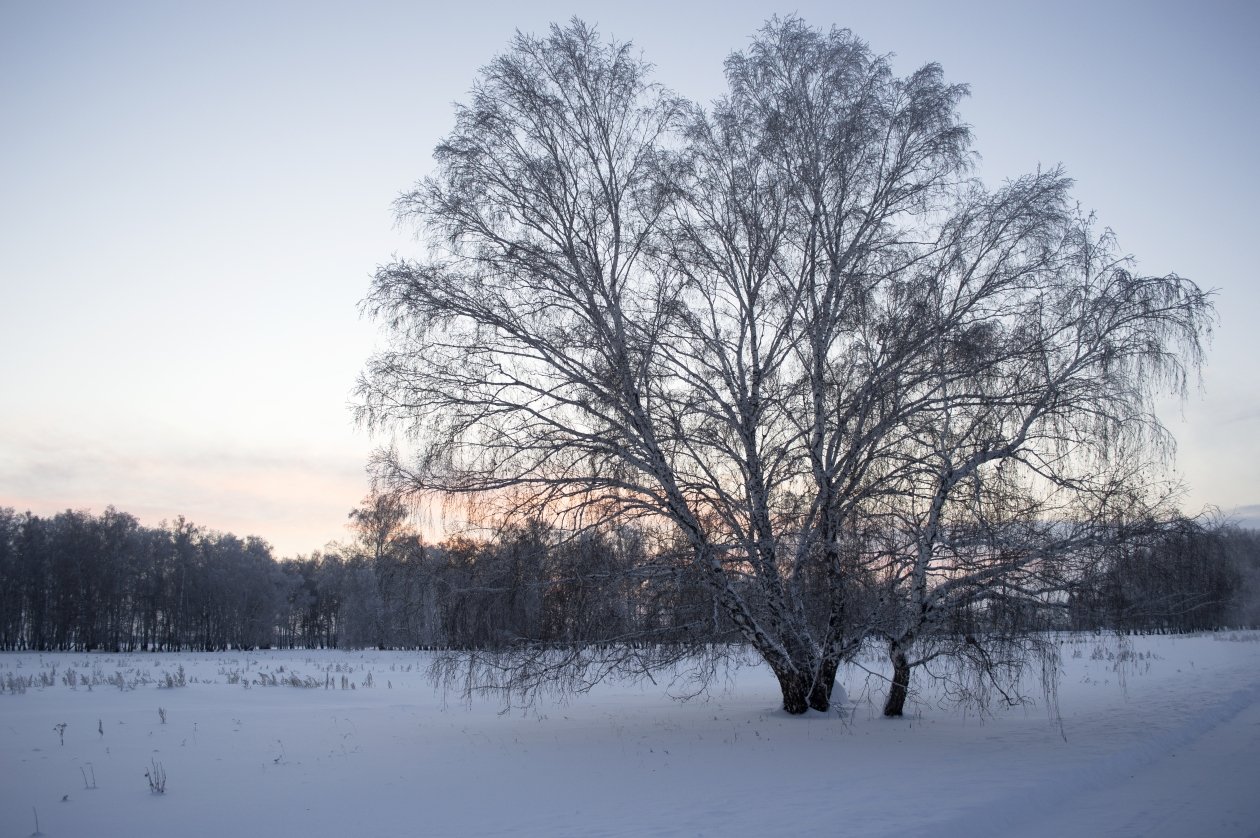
(789, 331)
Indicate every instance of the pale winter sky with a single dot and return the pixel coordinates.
(194, 195)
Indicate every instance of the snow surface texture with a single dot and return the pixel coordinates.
(1163, 740)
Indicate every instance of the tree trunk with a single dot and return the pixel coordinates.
(820, 691)
(900, 681)
(796, 691)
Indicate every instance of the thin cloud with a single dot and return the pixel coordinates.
(296, 501)
(1246, 516)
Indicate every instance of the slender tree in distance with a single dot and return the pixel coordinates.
(786, 331)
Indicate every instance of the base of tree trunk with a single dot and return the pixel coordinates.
(900, 688)
(801, 692)
(820, 690)
(796, 691)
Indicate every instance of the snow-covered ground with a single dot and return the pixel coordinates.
(1166, 744)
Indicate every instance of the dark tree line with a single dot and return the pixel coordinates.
(80, 582)
(1192, 578)
(76, 581)
(527, 584)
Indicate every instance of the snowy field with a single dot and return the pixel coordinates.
(1163, 742)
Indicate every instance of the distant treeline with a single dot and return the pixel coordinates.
(77, 581)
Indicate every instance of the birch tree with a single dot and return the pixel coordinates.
(776, 330)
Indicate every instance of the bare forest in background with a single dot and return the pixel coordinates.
(82, 582)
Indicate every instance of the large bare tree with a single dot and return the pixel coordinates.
(778, 330)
